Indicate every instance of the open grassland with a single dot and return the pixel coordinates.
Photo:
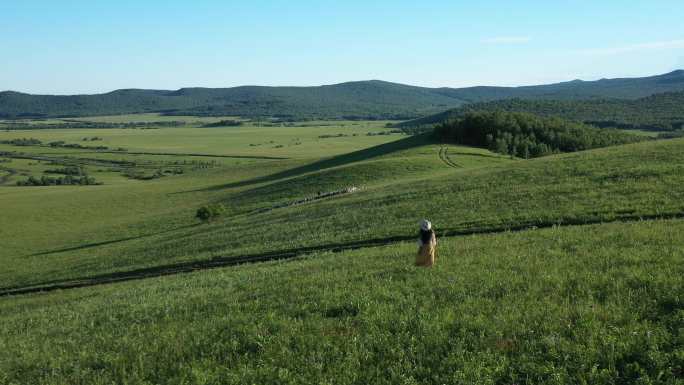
(73, 232)
(598, 304)
(475, 191)
(569, 299)
(44, 218)
(575, 188)
(302, 141)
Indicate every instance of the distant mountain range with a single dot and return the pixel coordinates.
(372, 99)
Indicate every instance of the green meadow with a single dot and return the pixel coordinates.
(251, 139)
(560, 269)
(597, 304)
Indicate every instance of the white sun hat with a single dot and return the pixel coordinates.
(425, 225)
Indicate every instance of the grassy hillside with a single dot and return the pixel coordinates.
(461, 189)
(62, 216)
(561, 269)
(660, 112)
(594, 304)
(146, 210)
(353, 100)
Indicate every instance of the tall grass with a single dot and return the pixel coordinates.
(594, 304)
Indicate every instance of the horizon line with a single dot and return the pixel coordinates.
(334, 84)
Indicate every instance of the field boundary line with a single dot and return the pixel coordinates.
(194, 155)
(23, 155)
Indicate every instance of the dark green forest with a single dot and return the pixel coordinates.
(660, 112)
(527, 136)
(354, 100)
(367, 100)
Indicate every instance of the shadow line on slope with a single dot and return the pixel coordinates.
(339, 160)
(191, 266)
(104, 243)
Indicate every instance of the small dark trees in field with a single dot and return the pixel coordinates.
(210, 212)
(23, 142)
(73, 175)
(17, 125)
(67, 180)
(61, 143)
(224, 123)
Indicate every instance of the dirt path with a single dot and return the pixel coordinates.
(187, 267)
(444, 156)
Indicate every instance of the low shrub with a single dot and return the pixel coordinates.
(210, 212)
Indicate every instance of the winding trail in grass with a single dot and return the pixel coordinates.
(444, 156)
(191, 266)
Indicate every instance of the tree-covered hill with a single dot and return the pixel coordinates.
(620, 88)
(528, 136)
(660, 112)
(353, 100)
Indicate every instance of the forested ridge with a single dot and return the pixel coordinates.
(369, 100)
(659, 112)
(354, 100)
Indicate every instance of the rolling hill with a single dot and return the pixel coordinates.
(367, 99)
(619, 88)
(372, 99)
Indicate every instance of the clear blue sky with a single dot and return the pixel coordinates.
(88, 46)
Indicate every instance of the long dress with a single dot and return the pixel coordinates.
(426, 251)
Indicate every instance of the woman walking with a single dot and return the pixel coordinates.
(427, 245)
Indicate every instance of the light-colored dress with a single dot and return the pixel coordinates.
(426, 252)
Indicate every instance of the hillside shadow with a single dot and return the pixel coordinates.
(104, 243)
(340, 160)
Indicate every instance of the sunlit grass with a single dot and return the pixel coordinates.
(592, 304)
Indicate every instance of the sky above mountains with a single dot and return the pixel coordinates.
(66, 47)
